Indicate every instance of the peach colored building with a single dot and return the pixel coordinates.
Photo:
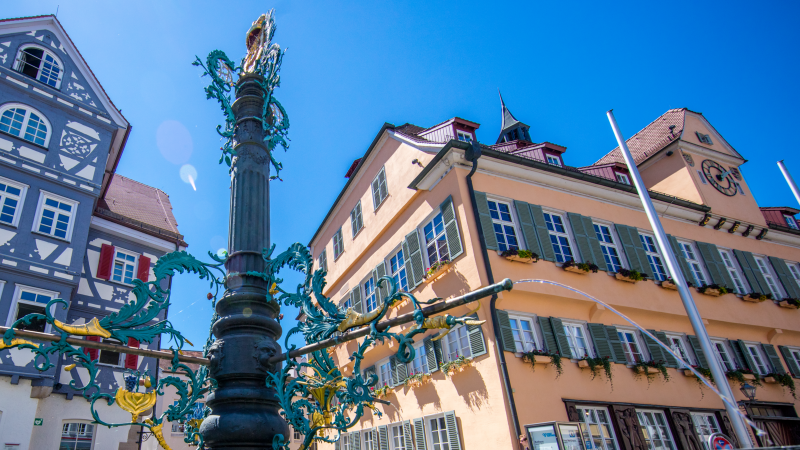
(421, 196)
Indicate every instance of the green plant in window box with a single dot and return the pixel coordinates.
(670, 284)
(630, 276)
(515, 254)
(650, 369)
(555, 359)
(436, 268)
(784, 379)
(586, 267)
(790, 303)
(713, 290)
(596, 363)
(417, 379)
(382, 391)
(743, 376)
(457, 365)
(756, 297)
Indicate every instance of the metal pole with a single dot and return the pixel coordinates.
(718, 374)
(789, 180)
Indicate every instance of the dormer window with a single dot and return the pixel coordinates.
(790, 221)
(464, 136)
(554, 160)
(25, 122)
(39, 64)
(622, 178)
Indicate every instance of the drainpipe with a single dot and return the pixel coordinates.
(472, 154)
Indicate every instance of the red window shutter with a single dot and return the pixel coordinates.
(132, 361)
(143, 271)
(106, 262)
(93, 353)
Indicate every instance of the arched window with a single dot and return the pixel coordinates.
(25, 122)
(38, 63)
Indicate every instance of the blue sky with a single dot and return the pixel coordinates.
(351, 66)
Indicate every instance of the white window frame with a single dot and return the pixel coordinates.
(369, 444)
(626, 345)
(323, 260)
(40, 207)
(655, 431)
(622, 178)
(504, 223)
(392, 444)
(338, 243)
(734, 271)
(603, 244)
(692, 257)
(790, 221)
(455, 333)
(795, 352)
(346, 302)
(466, 135)
(712, 426)
(429, 431)
(794, 270)
(28, 111)
(423, 239)
(365, 295)
(553, 160)
(419, 354)
(531, 319)
(561, 234)
(375, 187)
(66, 423)
(356, 219)
(120, 359)
(345, 441)
(586, 428)
(125, 262)
(16, 300)
(758, 357)
(653, 254)
(569, 325)
(61, 67)
(402, 269)
(683, 349)
(20, 200)
(731, 363)
(772, 280)
(378, 369)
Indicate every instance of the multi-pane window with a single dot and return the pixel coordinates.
(576, 337)
(39, 64)
(110, 357)
(31, 301)
(762, 367)
(124, 266)
(790, 221)
(458, 344)
(379, 189)
(503, 225)
(722, 355)
(10, 198)
(558, 237)
(323, 260)
(435, 240)
(653, 257)
(55, 216)
(693, 261)
(356, 221)
(384, 374)
(655, 429)
(794, 270)
(733, 270)
(522, 328)
(419, 364)
(622, 178)
(608, 246)
(338, 244)
(397, 265)
(398, 437)
(554, 160)
(597, 429)
(439, 434)
(678, 346)
(705, 424)
(369, 441)
(763, 267)
(795, 355)
(347, 303)
(464, 136)
(76, 436)
(631, 347)
(25, 123)
(345, 442)
(370, 297)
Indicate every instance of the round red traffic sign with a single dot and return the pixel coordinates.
(719, 441)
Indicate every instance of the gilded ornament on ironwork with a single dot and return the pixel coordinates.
(92, 328)
(135, 402)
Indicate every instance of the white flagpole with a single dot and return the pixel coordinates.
(683, 289)
(789, 180)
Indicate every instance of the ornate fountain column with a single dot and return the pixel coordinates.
(244, 411)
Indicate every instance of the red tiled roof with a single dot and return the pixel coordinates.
(140, 202)
(165, 364)
(651, 138)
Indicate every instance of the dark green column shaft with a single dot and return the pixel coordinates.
(244, 412)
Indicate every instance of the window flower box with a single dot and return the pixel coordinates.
(437, 270)
(417, 380)
(583, 364)
(574, 269)
(518, 255)
(748, 376)
(789, 303)
(579, 268)
(537, 359)
(667, 284)
(713, 290)
(629, 276)
(688, 373)
(457, 365)
(769, 380)
(382, 392)
(755, 297)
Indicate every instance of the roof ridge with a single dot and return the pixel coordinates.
(139, 182)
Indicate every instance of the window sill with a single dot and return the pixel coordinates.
(383, 202)
(358, 232)
(52, 237)
(336, 258)
(40, 82)
(8, 225)
(25, 140)
(130, 286)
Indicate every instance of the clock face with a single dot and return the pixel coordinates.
(719, 177)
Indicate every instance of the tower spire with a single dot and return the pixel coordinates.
(511, 129)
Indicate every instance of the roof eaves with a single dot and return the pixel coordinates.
(428, 167)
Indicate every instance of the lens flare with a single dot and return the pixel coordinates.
(189, 175)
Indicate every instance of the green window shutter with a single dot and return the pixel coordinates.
(452, 430)
(632, 245)
(586, 239)
(561, 338)
(676, 249)
(407, 435)
(437, 349)
(715, 265)
(505, 331)
(747, 358)
(419, 433)
(356, 296)
(487, 227)
(430, 354)
(698, 351)
(355, 440)
(601, 345)
(794, 369)
(451, 228)
(377, 291)
(414, 264)
(789, 284)
(739, 353)
(751, 272)
(671, 361)
(399, 371)
(547, 333)
(616, 345)
(380, 271)
(773, 357)
(337, 445)
(477, 344)
(656, 352)
(548, 254)
(383, 437)
(532, 240)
